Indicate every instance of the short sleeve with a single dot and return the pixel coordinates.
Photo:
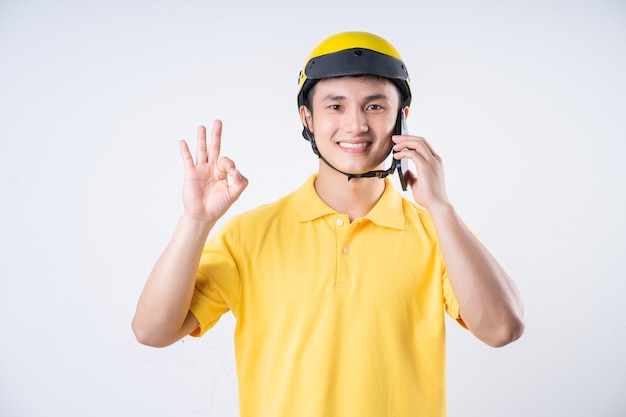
(450, 302)
(217, 287)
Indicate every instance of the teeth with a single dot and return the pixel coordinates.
(353, 145)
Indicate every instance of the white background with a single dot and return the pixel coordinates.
(525, 101)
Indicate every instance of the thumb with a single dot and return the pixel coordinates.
(238, 184)
(410, 177)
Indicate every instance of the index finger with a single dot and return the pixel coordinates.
(417, 143)
(216, 142)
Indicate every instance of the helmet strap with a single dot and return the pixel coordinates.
(308, 135)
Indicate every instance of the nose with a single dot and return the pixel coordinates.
(355, 121)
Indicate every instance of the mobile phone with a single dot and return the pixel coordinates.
(402, 165)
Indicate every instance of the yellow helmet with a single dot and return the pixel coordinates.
(354, 53)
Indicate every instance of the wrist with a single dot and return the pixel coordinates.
(197, 222)
(440, 209)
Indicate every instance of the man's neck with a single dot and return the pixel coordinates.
(355, 197)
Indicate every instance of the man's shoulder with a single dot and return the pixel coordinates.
(417, 216)
(415, 209)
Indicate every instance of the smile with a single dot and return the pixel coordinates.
(359, 145)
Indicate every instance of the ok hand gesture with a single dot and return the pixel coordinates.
(207, 192)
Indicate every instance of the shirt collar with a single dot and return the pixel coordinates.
(388, 211)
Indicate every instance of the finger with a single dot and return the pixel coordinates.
(227, 167)
(410, 178)
(224, 166)
(239, 182)
(430, 148)
(419, 146)
(413, 154)
(186, 155)
(216, 142)
(201, 151)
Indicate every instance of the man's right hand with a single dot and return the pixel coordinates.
(207, 192)
(163, 314)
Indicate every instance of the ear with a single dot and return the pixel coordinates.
(406, 112)
(306, 117)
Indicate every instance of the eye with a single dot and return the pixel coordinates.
(374, 107)
(334, 107)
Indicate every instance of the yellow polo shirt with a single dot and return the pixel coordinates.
(333, 319)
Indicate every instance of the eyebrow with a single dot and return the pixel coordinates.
(336, 97)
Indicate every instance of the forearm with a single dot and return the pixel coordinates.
(490, 304)
(164, 303)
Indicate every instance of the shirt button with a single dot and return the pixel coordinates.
(346, 250)
(339, 222)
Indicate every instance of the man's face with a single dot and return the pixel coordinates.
(353, 119)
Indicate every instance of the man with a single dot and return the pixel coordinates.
(339, 288)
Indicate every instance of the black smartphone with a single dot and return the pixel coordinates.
(402, 165)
